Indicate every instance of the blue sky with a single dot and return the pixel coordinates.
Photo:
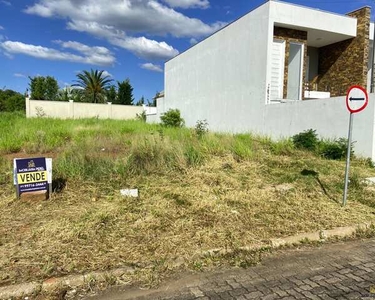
(126, 38)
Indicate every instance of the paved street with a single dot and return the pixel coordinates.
(336, 271)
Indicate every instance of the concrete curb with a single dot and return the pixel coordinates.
(75, 281)
(52, 284)
(318, 236)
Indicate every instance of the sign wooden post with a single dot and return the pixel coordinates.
(356, 101)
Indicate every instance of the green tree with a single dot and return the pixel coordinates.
(51, 87)
(94, 85)
(153, 103)
(112, 94)
(11, 101)
(43, 88)
(141, 101)
(37, 87)
(125, 93)
(69, 93)
(15, 103)
(63, 95)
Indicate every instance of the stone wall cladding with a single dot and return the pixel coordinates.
(345, 63)
(289, 36)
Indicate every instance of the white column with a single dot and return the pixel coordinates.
(71, 109)
(27, 104)
(109, 110)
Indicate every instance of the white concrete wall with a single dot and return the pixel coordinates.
(294, 15)
(89, 110)
(223, 78)
(77, 110)
(53, 109)
(125, 112)
(153, 118)
(160, 109)
(329, 117)
(150, 110)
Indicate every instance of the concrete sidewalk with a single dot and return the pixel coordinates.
(333, 271)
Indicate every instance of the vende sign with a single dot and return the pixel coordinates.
(356, 99)
(32, 174)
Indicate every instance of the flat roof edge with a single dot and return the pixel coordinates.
(316, 9)
(366, 6)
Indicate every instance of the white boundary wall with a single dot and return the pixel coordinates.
(78, 110)
(329, 117)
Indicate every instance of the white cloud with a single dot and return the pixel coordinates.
(146, 48)
(1, 27)
(152, 67)
(123, 22)
(139, 16)
(106, 73)
(89, 55)
(96, 55)
(193, 41)
(189, 3)
(140, 46)
(7, 3)
(20, 75)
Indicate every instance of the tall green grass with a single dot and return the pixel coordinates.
(111, 150)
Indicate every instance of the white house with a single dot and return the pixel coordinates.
(260, 73)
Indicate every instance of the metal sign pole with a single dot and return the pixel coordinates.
(348, 159)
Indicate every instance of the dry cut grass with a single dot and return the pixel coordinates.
(195, 194)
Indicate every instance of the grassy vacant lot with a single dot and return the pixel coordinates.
(196, 193)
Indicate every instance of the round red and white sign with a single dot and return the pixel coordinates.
(356, 99)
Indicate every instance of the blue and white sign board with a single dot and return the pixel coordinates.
(32, 174)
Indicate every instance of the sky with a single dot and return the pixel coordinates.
(125, 38)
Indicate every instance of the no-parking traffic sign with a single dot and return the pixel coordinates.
(356, 101)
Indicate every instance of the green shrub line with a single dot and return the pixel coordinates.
(335, 149)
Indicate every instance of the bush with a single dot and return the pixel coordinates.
(142, 116)
(201, 128)
(334, 149)
(11, 101)
(172, 118)
(329, 149)
(307, 139)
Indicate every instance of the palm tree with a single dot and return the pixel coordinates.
(93, 83)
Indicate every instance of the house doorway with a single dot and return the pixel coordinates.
(295, 71)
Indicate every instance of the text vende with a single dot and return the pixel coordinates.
(32, 177)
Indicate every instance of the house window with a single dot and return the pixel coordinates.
(277, 70)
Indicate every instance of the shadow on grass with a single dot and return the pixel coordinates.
(58, 184)
(315, 174)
